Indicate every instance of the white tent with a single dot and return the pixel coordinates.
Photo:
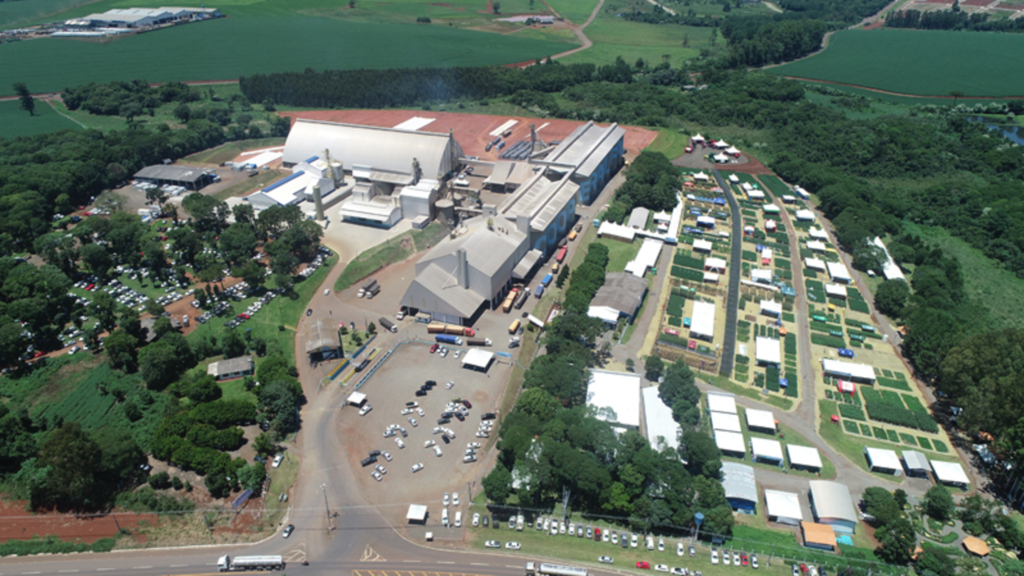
(732, 150)
(848, 370)
(770, 209)
(719, 402)
(702, 323)
(356, 398)
(700, 177)
(711, 277)
(837, 271)
(721, 158)
(783, 507)
(767, 351)
(763, 448)
(814, 264)
(755, 194)
(762, 276)
(702, 245)
(616, 231)
(721, 144)
(697, 138)
(416, 513)
(804, 216)
(725, 422)
(729, 442)
(917, 463)
(766, 256)
(818, 234)
(478, 359)
(804, 456)
(816, 245)
(788, 199)
(658, 419)
(771, 308)
(706, 221)
(734, 179)
(835, 291)
(714, 264)
(950, 473)
(761, 419)
(880, 460)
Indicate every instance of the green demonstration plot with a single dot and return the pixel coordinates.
(918, 62)
(16, 122)
(227, 48)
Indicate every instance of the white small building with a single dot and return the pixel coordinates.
(721, 402)
(734, 179)
(764, 450)
(725, 422)
(761, 420)
(714, 265)
(770, 209)
(816, 245)
(838, 272)
(711, 277)
(646, 259)
(950, 473)
(788, 199)
(702, 245)
(804, 216)
(701, 177)
(755, 194)
(705, 221)
(616, 232)
(762, 276)
(831, 504)
(860, 373)
(818, 234)
(835, 291)
(771, 308)
(804, 457)
(768, 352)
(730, 443)
(883, 461)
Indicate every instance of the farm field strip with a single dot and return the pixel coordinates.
(927, 63)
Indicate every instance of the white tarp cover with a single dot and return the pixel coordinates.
(767, 350)
(710, 277)
(814, 264)
(760, 419)
(725, 422)
(805, 216)
(702, 245)
(729, 442)
(890, 269)
(767, 449)
(771, 307)
(806, 456)
(851, 369)
(616, 396)
(718, 402)
(356, 398)
(883, 459)
(714, 263)
(702, 322)
(700, 176)
(416, 513)
(949, 472)
(477, 358)
(755, 194)
(838, 272)
(784, 506)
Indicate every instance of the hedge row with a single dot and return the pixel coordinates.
(852, 412)
(895, 384)
(860, 306)
(826, 340)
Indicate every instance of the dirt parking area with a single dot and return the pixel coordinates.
(388, 391)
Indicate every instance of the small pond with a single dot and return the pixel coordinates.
(1014, 133)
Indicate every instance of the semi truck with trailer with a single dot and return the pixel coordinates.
(506, 306)
(388, 325)
(521, 299)
(442, 328)
(478, 342)
(242, 563)
(448, 339)
(366, 288)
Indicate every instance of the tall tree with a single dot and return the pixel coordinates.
(73, 460)
(28, 103)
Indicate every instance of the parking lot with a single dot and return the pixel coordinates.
(388, 390)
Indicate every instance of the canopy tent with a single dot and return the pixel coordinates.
(976, 546)
(835, 291)
(477, 359)
(734, 179)
(697, 138)
(416, 513)
(770, 209)
(915, 462)
(718, 402)
(767, 351)
(730, 442)
(706, 221)
(848, 370)
(816, 245)
(788, 199)
(732, 150)
(769, 226)
(804, 457)
(764, 449)
(838, 272)
(760, 419)
(804, 216)
(881, 460)
(356, 398)
(814, 263)
(722, 144)
(721, 158)
(700, 177)
(783, 507)
(771, 308)
(818, 234)
(702, 245)
(714, 264)
(950, 473)
(711, 277)
(760, 275)
(725, 422)
(702, 324)
(766, 255)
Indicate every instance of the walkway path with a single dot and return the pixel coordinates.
(578, 31)
(732, 300)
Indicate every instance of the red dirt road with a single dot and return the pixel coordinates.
(472, 131)
(17, 524)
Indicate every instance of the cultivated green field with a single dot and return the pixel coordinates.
(575, 11)
(919, 62)
(16, 122)
(230, 47)
(614, 37)
(13, 14)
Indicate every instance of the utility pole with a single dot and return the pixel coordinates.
(326, 507)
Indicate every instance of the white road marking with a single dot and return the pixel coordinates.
(67, 571)
(408, 561)
(178, 565)
(507, 566)
(439, 562)
(479, 564)
(104, 569)
(141, 567)
(38, 572)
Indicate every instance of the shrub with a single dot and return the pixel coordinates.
(160, 481)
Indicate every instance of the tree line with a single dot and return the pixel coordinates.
(652, 182)
(954, 19)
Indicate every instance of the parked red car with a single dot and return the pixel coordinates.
(433, 348)
(643, 565)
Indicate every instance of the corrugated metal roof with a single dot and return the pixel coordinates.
(378, 148)
(438, 290)
(738, 481)
(230, 366)
(621, 291)
(169, 172)
(540, 199)
(586, 147)
(321, 335)
(832, 500)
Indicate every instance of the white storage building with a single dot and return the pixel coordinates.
(818, 234)
(884, 461)
(766, 450)
(804, 457)
(861, 373)
(730, 443)
(804, 216)
(646, 258)
(783, 507)
(771, 308)
(616, 232)
(702, 323)
(835, 291)
(837, 271)
(767, 350)
(760, 275)
(762, 420)
(740, 487)
(831, 504)
(721, 402)
(816, 245)
(950, 473)
(616, 396)
(725, 422)
(658, 421)
(915, 463)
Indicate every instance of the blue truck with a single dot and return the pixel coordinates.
(448, 339)
(539, 292)
(547, 280)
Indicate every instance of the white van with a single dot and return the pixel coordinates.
(458, 519)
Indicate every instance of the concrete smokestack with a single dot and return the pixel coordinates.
(463, 270)
(319, 201)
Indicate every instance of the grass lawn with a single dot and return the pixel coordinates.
(281, 478)
(787, 436)
(183, 52)
(15, 13)
(250, 184)
(16, 122)
(230, 150)
(619, 253)
(614, 37)
(669, 142)
(972, 62)
(394, 250)
(576, 11)
(232, 389)
(987, 284)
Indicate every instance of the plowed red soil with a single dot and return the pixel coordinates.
(472, 131)
(17, 524)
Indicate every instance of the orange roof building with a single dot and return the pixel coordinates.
(976, 546)
(820, 536)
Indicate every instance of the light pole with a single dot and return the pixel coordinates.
(326, 507)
